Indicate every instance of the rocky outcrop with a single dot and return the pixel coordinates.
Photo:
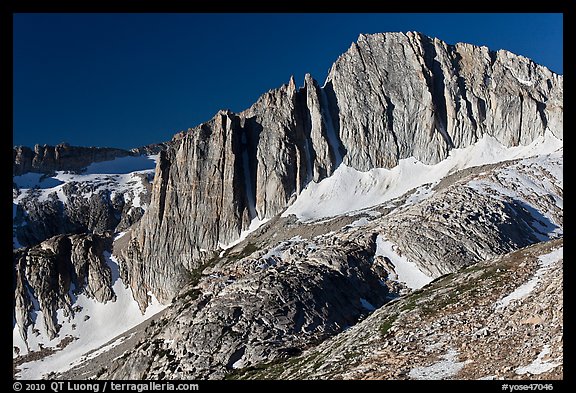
(458, 327)
(407, 95)
(83, 208)
(275, 125)
(49, 276)
(220, 176)
(291, 285)
(390, 96)
(320, 141)
(250, 310)
(480, 216)
(62, 157)
(154, 148)
(198, 200)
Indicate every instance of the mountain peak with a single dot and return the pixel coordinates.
(270, 230)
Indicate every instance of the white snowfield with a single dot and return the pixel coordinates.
(349, 190)
(406, 271)
(118, 175)
(106, 321)
(538, 365)
(443, 369)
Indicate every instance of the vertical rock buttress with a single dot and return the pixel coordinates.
(390, 96)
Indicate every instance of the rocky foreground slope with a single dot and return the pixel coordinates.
(499, 319)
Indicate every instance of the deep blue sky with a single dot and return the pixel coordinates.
(127, 80)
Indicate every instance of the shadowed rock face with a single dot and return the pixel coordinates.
(390, 96)
(57, 270)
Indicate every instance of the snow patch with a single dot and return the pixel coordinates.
(552, 257)
(366, 304)
(538, 366)
(119, 235)
(419, 194)
(406, 271)
(101, 350)
(123, 165)
(277, 251)
(444, 369)
(360, 222)
(254, 224)
(519, 79)
(349, 190)
(35, 180)
(525, 82)
(525, 289)
(106, 321)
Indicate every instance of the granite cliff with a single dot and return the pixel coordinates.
(389, 97)
(450, 154)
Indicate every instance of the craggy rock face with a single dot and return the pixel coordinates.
(291, 285)
(390, 96)
(57, 270)
(62, 157)
(407, 95)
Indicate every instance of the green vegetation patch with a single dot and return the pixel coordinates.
(387, 324)
(276, 368)
(247, 250)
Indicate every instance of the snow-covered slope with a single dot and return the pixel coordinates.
(349, 190)
(118, 175)
(533, 182)
(61, 203)
(407, 272)
(93, 325)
